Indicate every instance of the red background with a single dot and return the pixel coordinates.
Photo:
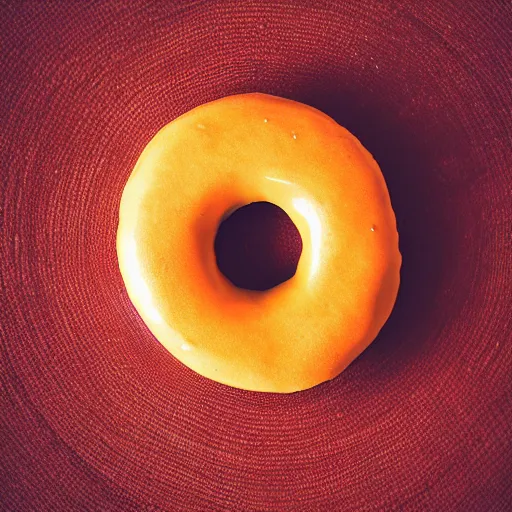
(96, 415)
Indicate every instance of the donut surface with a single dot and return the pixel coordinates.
(228, 153)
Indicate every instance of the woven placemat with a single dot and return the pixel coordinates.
(97, 415)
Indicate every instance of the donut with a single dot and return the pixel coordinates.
(232, 152)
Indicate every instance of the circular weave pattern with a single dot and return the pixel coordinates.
(96, 415)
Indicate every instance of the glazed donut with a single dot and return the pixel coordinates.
(228, 153)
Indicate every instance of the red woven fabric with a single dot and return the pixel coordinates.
(97, 416)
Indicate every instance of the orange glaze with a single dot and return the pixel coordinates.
(223, 155)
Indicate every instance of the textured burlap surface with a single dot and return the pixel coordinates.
(96, 415)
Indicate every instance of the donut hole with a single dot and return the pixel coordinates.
(258, 246)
